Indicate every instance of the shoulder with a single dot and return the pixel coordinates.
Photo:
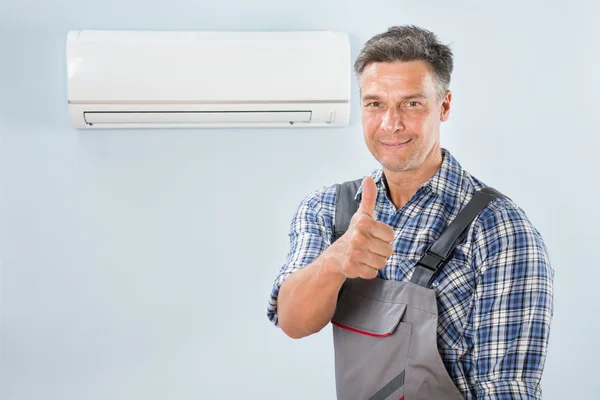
(315, 211)
(503, 229)
(320, 199)
(501, 214)
(319, 205)
(501, 210)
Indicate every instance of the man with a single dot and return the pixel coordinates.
(490, 301)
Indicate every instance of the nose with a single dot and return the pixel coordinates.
(392, 121)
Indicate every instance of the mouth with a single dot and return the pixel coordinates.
(395, 145)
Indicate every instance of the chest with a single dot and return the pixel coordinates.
(454, 284)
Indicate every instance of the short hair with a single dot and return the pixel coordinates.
(408, 43)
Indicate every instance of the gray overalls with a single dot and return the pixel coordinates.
(385, 332)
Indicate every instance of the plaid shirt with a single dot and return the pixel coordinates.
(494, 297)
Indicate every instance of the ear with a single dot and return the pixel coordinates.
(445, 111)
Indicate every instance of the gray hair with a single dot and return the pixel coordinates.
(408, 43)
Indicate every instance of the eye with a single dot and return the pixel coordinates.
(413, 104)
(374, 104)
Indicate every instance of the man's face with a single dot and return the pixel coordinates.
(401, 113)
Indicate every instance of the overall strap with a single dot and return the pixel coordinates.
(345, 206)
(440, 252)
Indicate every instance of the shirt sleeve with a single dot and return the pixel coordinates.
(512, 307)
(309, 236)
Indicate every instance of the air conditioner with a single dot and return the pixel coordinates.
(150, 79)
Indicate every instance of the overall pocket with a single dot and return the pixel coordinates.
(371, 347)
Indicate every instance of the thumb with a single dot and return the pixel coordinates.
(369, 197)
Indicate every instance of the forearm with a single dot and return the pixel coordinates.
(307, 299)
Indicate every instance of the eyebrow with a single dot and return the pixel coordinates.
(367, 97)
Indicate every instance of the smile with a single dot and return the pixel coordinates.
(394, 145)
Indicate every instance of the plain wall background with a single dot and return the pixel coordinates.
(138, 264)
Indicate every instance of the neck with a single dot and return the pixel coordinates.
(402, 185)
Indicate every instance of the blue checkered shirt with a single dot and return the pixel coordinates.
(494, 297)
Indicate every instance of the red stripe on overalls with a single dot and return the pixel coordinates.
(361, 332)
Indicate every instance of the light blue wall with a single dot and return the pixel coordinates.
(138, 264)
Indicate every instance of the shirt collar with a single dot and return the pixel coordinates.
(446, 182)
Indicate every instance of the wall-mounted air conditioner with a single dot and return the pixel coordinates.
(147, 79)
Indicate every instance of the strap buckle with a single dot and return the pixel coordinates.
(431, 261)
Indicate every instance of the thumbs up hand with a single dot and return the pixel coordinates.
(365, 247)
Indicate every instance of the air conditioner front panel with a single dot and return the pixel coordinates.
(207, 67)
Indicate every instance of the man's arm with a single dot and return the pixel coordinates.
(512, 307)
(308, 298)
(305, 294)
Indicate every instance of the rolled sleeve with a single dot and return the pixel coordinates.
(309, 236)
(507, 390)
